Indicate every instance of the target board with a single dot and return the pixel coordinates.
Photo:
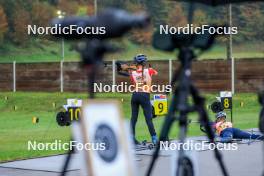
(102, 123)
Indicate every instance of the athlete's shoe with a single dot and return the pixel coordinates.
(154, 139)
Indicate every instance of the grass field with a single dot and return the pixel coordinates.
(16, 126)
(51, 52)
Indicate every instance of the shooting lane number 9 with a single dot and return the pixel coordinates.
(160, 107)
(74, 113)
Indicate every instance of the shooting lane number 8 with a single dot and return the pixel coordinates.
(226, 102)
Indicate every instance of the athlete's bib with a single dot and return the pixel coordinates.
(143, 81)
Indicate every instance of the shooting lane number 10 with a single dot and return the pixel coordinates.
(74, 113)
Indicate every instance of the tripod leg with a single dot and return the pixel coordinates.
(204, 120)
(163, 137)
(261, 123)
(185, 165)
(91, 79)
(263, 150)
(67, 162)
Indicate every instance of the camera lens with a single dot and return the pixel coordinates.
(216, 107)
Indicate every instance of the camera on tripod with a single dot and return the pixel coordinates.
(169, 42)
(223, 102)
(115, 22)
(217, 106)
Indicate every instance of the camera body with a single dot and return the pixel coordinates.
(115, 22)
(217, 105)
(71, 112)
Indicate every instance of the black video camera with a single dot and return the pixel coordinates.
(217, 106)
(115, 23)
(169, 42)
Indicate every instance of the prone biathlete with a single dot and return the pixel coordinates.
(141, 78)
(227, 132)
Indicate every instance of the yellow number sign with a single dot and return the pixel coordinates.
(160, 107)
(74, 113)
(226, 102)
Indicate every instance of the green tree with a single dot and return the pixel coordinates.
(3, 24)
(139, 36)
(12, 9)
(42, 13)
(200, 17)
(68, 6)
(158, 11)
(177, 16)
(251, 22)
(21, 21)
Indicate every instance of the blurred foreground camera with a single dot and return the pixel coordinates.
(169, 42)
(111, 23)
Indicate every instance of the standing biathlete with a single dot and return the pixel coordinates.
(142, 78)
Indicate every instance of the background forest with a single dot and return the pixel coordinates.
(16, 44)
